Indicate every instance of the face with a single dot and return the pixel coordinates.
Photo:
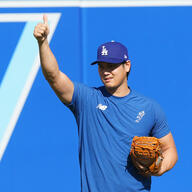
(113, 75)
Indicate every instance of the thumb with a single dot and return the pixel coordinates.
(45, 19)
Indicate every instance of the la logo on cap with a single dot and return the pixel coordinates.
(104, 51)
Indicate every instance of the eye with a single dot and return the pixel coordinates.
(112, 66)
(100, 66)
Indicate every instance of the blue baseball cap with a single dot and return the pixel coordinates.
(111, 52)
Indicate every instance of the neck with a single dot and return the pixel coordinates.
(119, 91)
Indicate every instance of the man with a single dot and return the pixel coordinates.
(108, 118)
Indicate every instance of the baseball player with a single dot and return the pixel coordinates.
(108, 117)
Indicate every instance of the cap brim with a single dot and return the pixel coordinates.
(117, 62)
(95, 62)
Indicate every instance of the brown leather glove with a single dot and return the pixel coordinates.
(146, 155)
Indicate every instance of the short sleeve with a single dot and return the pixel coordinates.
(80, 98)
(160, 128)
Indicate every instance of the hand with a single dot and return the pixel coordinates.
(41, 30)
(142, 169)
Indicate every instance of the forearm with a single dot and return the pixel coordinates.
(169, 160)
(48, 61)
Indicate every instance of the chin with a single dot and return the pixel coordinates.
(109, 86)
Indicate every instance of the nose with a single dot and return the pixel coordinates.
(105, 72)
(104, 69)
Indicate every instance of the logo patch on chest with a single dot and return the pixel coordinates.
(102, 107)
(139, 116)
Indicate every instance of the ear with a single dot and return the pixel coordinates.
(127, 65)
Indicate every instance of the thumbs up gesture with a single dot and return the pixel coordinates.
(41, 30)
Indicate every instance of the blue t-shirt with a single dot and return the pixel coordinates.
(106, 126)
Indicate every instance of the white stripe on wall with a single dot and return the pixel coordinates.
(21, 72)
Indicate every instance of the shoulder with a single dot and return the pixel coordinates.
(149, 103)
(86, 89)
(143, 99)
(84, 94)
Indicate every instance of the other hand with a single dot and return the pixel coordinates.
(41, 30)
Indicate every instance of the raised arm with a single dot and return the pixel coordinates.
(170, 156)
(59, 82)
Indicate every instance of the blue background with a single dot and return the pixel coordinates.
(42, 154)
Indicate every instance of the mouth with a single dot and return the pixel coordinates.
(107, 80)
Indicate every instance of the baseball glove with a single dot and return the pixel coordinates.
(146, 155)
